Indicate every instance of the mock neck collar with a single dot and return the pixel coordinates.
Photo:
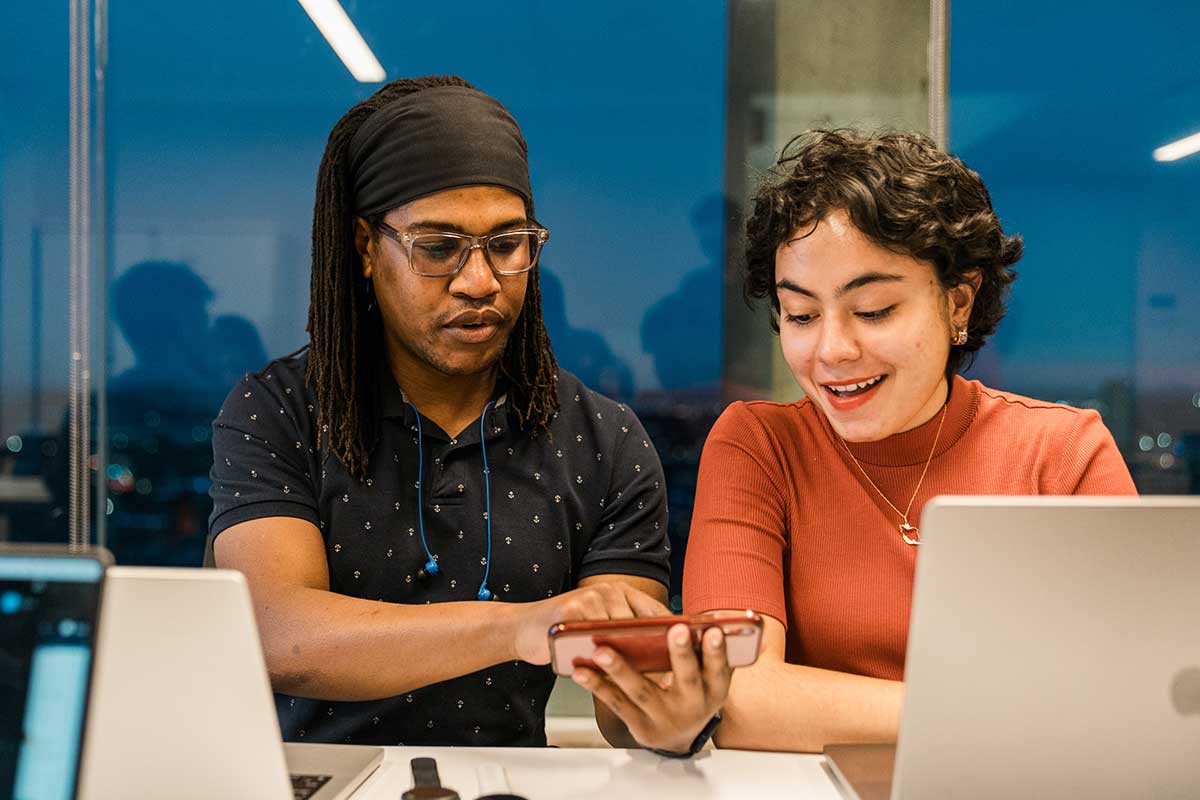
(912, 446)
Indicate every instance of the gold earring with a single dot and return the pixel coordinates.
(960, 337)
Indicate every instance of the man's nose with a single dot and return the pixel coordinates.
(476, 278)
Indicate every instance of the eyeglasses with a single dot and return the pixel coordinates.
(441, 255)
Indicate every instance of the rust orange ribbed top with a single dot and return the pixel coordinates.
(785, 524)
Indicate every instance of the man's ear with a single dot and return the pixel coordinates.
(364, 240)
(962, 298)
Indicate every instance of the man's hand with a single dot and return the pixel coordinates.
(665, 711)
(597, 601)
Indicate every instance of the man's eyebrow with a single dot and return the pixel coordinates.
(450, 227)
(857, 283)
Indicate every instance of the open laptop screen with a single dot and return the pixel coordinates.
(48, 612)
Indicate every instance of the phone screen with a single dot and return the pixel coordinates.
(48, 611)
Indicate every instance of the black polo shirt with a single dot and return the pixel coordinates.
(587, 499)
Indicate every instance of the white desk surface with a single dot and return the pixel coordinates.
(605, 774)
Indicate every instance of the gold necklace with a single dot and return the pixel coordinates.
(909, 533)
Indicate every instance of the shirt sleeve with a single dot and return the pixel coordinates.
(1092, 463)
(737, 544)
(263, 460)
(631, 536)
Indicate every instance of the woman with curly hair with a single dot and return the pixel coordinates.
(886, 269)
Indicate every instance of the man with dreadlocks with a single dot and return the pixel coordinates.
(425, 455)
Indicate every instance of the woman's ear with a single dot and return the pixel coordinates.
(962, 298)
(364, 244)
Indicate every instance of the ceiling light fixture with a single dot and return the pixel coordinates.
(1180, 149)
(331, 20)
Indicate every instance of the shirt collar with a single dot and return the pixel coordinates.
(394, 402)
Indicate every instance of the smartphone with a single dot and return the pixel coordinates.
(644, 641)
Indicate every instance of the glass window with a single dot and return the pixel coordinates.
(647, 125)
(34, 272)
(1106, 310)
(217, 124)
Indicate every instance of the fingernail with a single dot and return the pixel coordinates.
(604, 658)
(680, 635)
(716, 639)
(580, 677)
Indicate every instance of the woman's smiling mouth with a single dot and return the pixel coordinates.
(845, 395)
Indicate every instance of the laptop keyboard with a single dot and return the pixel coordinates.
(305, 786)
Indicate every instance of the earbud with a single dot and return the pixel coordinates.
(484, 593)
(430, 568)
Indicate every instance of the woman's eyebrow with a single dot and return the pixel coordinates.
(857, 283)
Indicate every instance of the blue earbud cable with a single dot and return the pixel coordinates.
(484, 592)
(431, 565)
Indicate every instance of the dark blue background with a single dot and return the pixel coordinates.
(217, 118)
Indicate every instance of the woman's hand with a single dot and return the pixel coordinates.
(665, 711)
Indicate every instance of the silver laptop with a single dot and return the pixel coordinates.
(49, 610)
(1054, 652)
(181, 704)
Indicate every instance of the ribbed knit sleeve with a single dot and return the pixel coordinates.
(736, 547)
(1092, 464)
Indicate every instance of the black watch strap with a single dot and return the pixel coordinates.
(427, 784)
(697, 744)
(424, 772)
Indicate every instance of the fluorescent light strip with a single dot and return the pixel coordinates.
(1180, 149)
(331, 20)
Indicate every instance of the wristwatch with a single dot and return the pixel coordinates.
(427, 785)
(697, 744)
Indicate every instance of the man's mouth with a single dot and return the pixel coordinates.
(474, 327)
(487, 317)
(849, 389)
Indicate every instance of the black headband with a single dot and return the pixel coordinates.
(433, 140)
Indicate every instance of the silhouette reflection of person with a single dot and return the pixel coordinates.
(583, 352)
(161, 309)
(160, 410)
(237, 348)
(682, 331)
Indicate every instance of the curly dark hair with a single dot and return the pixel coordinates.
(904, 193)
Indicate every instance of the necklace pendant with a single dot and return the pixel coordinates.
(906, 530)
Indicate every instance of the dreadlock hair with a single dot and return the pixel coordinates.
(346, 331)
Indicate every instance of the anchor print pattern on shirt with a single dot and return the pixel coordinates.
(559, 514)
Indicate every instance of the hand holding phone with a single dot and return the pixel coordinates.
(595, 601)
(643, 642)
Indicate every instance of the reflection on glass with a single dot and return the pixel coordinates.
(161, 410)
(584, 353)
(1106, 311)
(682, 331)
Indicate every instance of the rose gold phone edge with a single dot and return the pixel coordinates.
(571, 640)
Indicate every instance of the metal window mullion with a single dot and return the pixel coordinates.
(79, 424)
(99, 315)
